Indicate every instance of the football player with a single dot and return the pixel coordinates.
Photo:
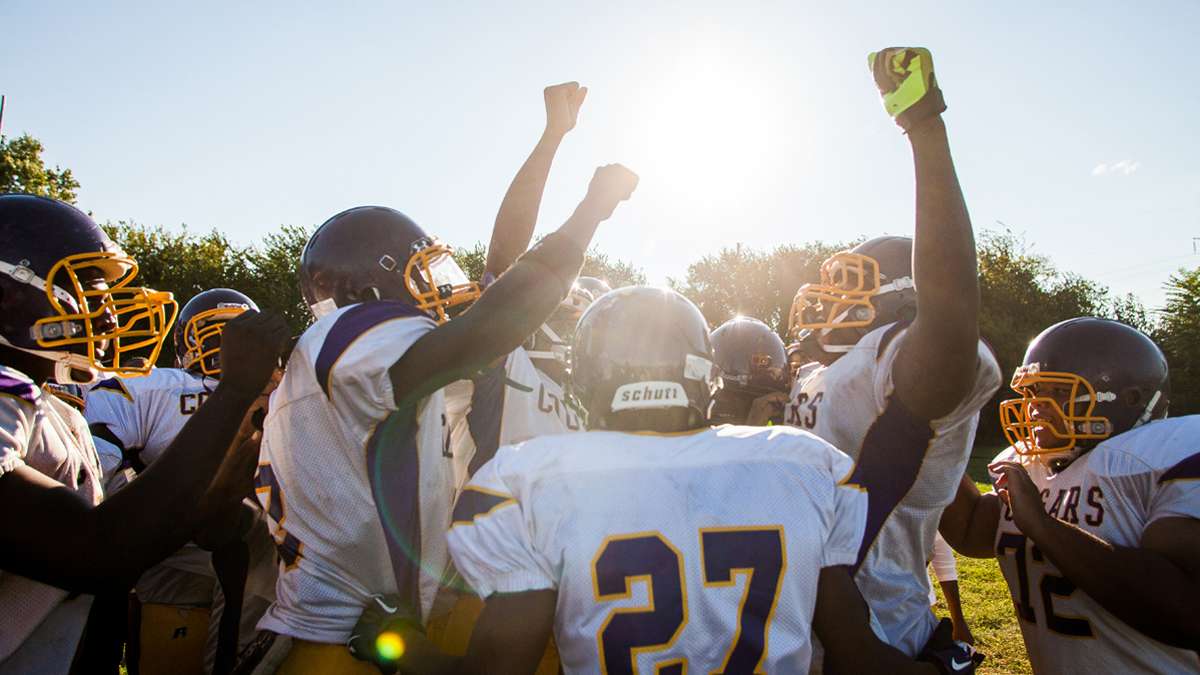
(521, 395)
(356, 476)
(1096, 518)
(635, 544)
(71, 312)
(895, 381)
(754, 373)
(133, 420)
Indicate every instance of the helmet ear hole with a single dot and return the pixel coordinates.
(907, 313)
(1132, 396)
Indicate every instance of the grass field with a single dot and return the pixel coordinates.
(986, 601)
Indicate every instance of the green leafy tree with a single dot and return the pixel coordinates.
(749, 282)
(1179, 336)
(595, 264)
(275, 283)
(22, 170)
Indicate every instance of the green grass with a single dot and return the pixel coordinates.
(987, 603)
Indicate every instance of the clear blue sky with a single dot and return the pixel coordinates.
(1075, 123)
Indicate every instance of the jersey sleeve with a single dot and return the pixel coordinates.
(18, 409)
(353, 362)
(849, 524)
(490, 539)
(113, 418)
(987, 379)
(945, 567)
(1176, 491)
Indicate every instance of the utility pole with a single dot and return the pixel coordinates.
(1, 114)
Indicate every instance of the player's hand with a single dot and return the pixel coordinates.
(611, 185)
(251, 345)
(383, 632)
(907, 84)
(1016, 489)
(766, 409)
(563, 102)
(949, 655)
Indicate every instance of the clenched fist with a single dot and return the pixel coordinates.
(611, 185)
(251, 345)
(562, 107)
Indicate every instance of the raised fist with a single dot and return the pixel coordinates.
(562, 106)
(251, 345)
(907, 84)
(611, 185)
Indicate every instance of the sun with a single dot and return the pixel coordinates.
(710, 125)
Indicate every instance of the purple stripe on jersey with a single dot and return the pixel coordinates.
(887, 466)
(1187, 469)
(113, 384)
(889, 335)
(19, 387)
(473, 503)
(485, 415)
(394, 469)
(350, 325)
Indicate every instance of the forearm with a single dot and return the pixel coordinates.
(517, 217)
(969, 523)
(157, 513)
(508, 312)
(1141, 587)
(948, 288)
(953, 600)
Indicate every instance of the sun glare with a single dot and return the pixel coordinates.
(708, 124)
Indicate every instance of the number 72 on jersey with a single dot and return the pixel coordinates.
(756, 554)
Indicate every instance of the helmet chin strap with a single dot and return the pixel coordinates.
(67, 365)
(558, 348)
(1145, 416)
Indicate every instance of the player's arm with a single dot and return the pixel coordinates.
(61, 539)
(936, 365)
(969, 523)
(1153, 588)
(519, 210)
(501, 645)
(512, 308)
(842, 623)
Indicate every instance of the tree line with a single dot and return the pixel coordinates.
(1021, 292)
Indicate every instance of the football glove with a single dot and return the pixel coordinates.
(950, 656)
(376, 636)
(906, 81)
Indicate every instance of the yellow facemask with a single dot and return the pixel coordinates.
(113, 323)
(1074, 423)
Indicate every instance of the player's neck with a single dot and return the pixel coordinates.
(668, 421)
(36, 368)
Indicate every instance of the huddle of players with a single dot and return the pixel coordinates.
(653, 542)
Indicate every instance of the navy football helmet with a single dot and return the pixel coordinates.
(1082, 381)
(642, 349)
(198, 330)
(376, 253)
(552, 341)
(67, 294)
(752, 361)
(597, 287)
(860, 290)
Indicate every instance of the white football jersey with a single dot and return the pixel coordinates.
(332, 441)
(1113, 492)
(506, 404)
(133, 421)
(661, 559)
(913, 468)
(49, 436)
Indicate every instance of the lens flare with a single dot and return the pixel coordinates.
(389, 645)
